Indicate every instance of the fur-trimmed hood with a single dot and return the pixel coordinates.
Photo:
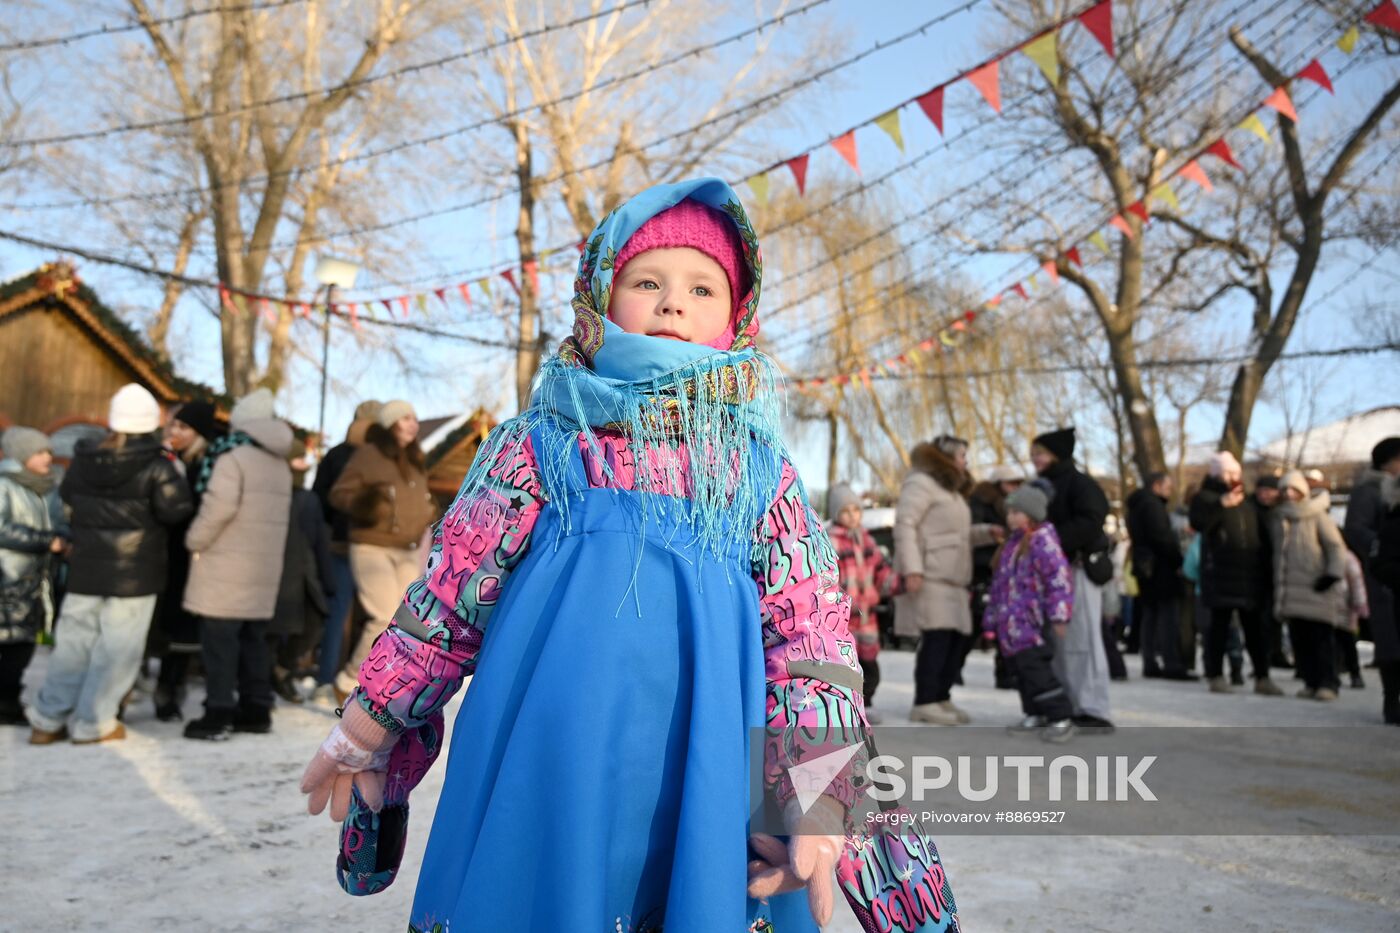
(927, 458)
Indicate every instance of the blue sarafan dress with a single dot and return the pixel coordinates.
(634, 578)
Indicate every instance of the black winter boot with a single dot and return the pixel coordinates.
(1390, 689)
(215, 725)
(254, 719)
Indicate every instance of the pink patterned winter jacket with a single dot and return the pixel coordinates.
(813, 677)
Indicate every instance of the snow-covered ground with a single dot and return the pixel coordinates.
(159, 833)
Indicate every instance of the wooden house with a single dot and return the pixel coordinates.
(449, 447)
(63, 354)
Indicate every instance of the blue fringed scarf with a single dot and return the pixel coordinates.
(723, 405)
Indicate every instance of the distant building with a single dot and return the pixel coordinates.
(449, 446)
(1338, 449)
(63, 354)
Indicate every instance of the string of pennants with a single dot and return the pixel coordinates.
(1040, 48)
(953, 332)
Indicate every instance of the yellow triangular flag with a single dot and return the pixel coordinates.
(1164, 192)
(1042, 52)
(1030, 282)
(1255, 126)
(889, 122)
(758, 184)
(1098, 240)
(1348, 41)
(422, 301)
(485, 285)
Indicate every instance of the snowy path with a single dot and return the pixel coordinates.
(159, 833)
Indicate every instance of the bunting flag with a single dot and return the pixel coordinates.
(466, 293)
(1164, 192)
(484, 284)
(422, 304)
(1043, 52)
(798, 167)
(1280, 101)
(1315, 73)
(265, 309)
(1255, 126)
(1072, 254)
(388, 308)
(932, 106)
(889, 122)
(354, 316)
(987, 80)
(1140, 209)
(1098, 20)
(226, 299)
(1030, 282)
(1020, 289)
(1348, 40)
(531, 268)
(846, 145)
(441, 294)
(1097, 238)
(1221, 150)
(1120, 224)
(509, 276)
(1386, 16)
(1051, 271)
(758, 184)
(1192, 170)
(993, 301)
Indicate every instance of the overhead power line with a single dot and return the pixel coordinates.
(23, 45)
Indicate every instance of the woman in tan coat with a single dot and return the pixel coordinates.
(933, 541)
(384, 490)
(1309, 563)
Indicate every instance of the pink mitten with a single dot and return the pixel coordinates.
(355, 753)
(806, 861)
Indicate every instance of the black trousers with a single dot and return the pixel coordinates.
(1315, 653)
(1161, 636)
(237, 663)
(14, 658)
(1042, 694)
(1347, 658)
(1116, 668)
(871, 670)
(936, 665)
(1256, 641)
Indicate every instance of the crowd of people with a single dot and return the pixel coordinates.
(1037, 569)
(179, 538)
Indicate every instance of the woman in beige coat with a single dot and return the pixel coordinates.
(1309, 563)
(384, 490)
(933, 541)
(236, 544)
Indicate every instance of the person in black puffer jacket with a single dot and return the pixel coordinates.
(124, 493)
(1078, 510)
(1234, 554)
(1157, 560)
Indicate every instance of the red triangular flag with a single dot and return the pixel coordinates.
(1098, 19)
(403, 303)
(509, 276)
(987, 80)
(846, 145)
(1280, 101)
(932, 106)
(1194, 172)
(1072, 254)
(1316, 74)
(441, 295)
(993, 301)
(580, 245)
(388, 308)
(227, 299)
(1119, 223)
(1385, 16)
(354, 315)
(1051, 271)
(1221, 150)
(970, 314)
(466, 293)
(798, 165)
(265, 307)
(1019, 289)
(1138, 208)
(532, 273)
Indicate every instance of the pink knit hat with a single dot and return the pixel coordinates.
(699, 227)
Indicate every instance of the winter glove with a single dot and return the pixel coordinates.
(808, 860)
(1325, 583)
(355, 753)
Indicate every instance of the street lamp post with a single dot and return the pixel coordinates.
(331, 273)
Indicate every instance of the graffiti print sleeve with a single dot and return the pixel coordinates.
(814, 704)
(432, 645)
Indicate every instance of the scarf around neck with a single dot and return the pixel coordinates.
(723, 405)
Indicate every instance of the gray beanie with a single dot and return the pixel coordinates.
(255, 406)
(1030, 501)
(840, 496)
(21, 443)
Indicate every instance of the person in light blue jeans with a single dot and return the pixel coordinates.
(124, 493)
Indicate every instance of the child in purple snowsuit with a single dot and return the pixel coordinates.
(1032, 587)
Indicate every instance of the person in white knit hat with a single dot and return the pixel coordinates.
(124, 493)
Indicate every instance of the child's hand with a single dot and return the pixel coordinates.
(807, 861)
(1061, 630)
(355, 753)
